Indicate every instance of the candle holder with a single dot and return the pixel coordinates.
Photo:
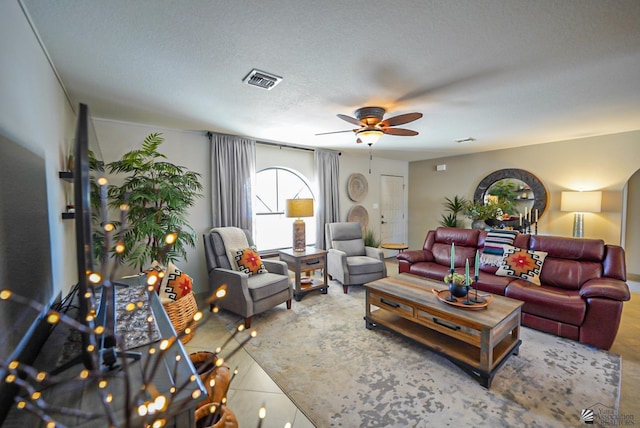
(466, 300)
(475, 298)
(451, 297)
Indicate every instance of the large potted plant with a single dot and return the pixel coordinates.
(454, 206)
(483, 214)
(159, 195)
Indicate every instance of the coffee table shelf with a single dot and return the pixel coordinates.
(478, 342)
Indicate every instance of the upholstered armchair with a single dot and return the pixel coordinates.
(348, 259)
(247, 294)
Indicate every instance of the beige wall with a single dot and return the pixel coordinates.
(632, 231)
(186, 148)
(35, 114)
(595, 163)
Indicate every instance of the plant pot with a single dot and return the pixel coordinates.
(478, 224)
(458, 290)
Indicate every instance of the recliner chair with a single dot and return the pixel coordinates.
(247, 295)
(348, 259)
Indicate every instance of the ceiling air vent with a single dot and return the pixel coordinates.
(261, 79)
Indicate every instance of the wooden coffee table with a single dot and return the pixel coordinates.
(477, 341)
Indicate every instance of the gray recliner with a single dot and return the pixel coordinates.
(246, 295)
(348, 259)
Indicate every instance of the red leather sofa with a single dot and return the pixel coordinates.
(583, 281)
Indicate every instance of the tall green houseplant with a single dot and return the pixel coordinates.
(159, 195)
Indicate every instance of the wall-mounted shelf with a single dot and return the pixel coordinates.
(67, 176)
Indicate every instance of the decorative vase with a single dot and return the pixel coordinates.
(457, 290)
(478, 224)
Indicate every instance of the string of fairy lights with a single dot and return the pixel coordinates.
(147, 407)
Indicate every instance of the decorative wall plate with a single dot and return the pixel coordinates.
(357, 187)
(359, 213)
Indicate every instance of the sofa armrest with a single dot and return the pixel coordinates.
(416, 256)
(608, 288)
(375, 253)
(236, 282)
(276, 266)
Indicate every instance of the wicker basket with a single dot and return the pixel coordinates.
(181, 313)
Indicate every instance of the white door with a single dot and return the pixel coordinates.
(392, 217)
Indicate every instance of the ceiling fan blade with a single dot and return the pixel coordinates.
(401, 119)
(399, 131)
(337, 132)
(350, 119)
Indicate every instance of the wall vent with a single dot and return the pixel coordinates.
(262, 79)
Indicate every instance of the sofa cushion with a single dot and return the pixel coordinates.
(353, 247)
(431, 270)
(492, 283)
(549, 302)
(522, 263)
(266, 285)
(494, 245)
(591, 250)
(359, 265)
(569, 274)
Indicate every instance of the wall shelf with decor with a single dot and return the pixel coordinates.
(67, 176)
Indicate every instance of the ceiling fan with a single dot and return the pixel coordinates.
(372, 126)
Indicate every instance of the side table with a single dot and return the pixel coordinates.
(392, 246)
(306, 261)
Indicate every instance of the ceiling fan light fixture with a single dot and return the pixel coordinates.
(370, 136)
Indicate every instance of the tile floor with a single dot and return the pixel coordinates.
(253, 388)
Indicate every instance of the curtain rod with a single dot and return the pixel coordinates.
(287, 146)
(209, 135)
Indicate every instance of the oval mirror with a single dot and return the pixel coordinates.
(521, 188)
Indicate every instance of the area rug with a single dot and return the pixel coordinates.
(341, 374)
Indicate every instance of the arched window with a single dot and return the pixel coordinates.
(273, 230)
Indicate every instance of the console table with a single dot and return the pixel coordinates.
(174, 369)
(306, 261)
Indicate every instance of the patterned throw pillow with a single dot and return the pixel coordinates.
(158, 270)
(248, 261)
(523, 264)
(175, 284)
(494, 245)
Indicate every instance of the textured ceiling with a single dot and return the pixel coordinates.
(507, 73)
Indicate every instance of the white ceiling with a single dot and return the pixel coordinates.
(506, 72)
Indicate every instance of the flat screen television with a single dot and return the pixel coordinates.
(90, 217)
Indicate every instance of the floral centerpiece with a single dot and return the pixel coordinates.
(458, 279)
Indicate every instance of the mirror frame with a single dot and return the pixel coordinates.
(541, 196)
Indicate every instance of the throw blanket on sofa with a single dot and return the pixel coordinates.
(233, 239)
(494, 246)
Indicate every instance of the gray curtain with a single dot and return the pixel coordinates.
(328, 210)
(233, 166)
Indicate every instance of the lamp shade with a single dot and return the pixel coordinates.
(299, 208)
(581, 202)
(370, 137)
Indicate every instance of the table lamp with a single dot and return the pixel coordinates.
(298, 208)
(580, 203)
